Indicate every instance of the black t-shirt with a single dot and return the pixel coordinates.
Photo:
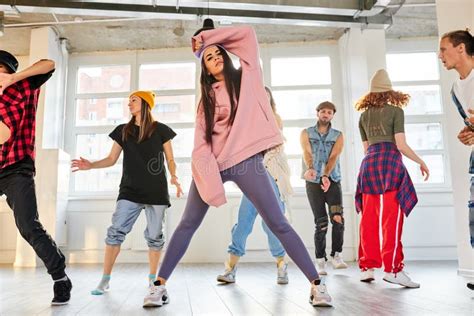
(27, 164)
(144, 174)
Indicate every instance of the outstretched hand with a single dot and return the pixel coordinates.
(80, 164)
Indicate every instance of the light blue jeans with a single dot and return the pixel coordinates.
(125, 216)
(243, 227)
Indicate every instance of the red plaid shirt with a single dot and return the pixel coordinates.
(18, 111)
(383, 170)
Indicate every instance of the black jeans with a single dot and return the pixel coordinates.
(21, 197)
(318, 200)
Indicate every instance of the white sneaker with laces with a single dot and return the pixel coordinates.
(282, 274)
(401, 278)
(338, 262)
(228, 276)
(157, 296)
(367, 275)
(321, 266)
(319, 295)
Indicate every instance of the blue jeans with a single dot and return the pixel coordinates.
(471, 212)
(243, 227)
(126, 214)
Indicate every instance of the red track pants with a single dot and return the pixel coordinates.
(392, 223)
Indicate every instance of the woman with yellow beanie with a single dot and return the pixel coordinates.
(145, 143)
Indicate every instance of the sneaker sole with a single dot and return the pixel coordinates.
(59, 303)
(282, 282)
(322, 273)
(154, 304)
(339, 267)
(367, 280)
(404, 285)
(322, 303)
(222, 280)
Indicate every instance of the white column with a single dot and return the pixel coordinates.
(361, 52)
(51, 190)
(455, 15)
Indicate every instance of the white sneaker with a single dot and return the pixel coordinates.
(367, 275)
(282, 274)
(401, 278)
(321, 266)
(157, 296)
(319, 295)
(228, 276)
(337, 261)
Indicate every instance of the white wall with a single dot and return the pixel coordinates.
(429, 231)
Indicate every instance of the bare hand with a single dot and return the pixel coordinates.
(197, 45)
(179, 190)
(470, 119)
(425, 172)
(466, 136)
(326, 183)
(80, 164)
(5, 81)
(310, 175)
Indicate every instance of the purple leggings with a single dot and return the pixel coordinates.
(251, 177)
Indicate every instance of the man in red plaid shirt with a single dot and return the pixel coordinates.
(19, 93)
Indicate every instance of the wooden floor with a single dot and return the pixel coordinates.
(194, 291)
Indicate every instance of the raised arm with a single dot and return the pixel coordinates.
(41, 67)
(238, 40)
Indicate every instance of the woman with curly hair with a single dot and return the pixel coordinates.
(382, 173)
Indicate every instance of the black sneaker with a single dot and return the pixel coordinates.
(62, 292)
(470, 286)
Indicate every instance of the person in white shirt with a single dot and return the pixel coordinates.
(456, 51)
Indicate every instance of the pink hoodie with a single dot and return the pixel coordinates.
(254, 129)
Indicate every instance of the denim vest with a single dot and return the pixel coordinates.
(464, 116)
(321, 147)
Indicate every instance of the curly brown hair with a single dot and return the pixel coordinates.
(379, 99)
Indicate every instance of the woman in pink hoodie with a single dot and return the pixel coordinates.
(234, 124)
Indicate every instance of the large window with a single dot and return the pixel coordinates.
(418, 75)
(98, 103)
(299, 84)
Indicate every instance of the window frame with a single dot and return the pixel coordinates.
(426, 46)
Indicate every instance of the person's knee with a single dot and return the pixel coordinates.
(322, 224)
(115, 236)
(156, 244)
(31, 230)
(337, 215)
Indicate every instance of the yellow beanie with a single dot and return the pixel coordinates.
(148, 96)
(380, 82)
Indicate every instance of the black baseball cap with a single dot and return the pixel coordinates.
(8, 60)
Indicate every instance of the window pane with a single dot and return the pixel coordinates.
(168, 76)
(300, 104)
(98, 180)
(292, 143)
(103, 79)
(296, 165)
(413, 66)
(424, 136)
(434, 163)
(93, 146)
(175, 108)
(111, 111)
(424, 99)
(183, 143)
(300, 71)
